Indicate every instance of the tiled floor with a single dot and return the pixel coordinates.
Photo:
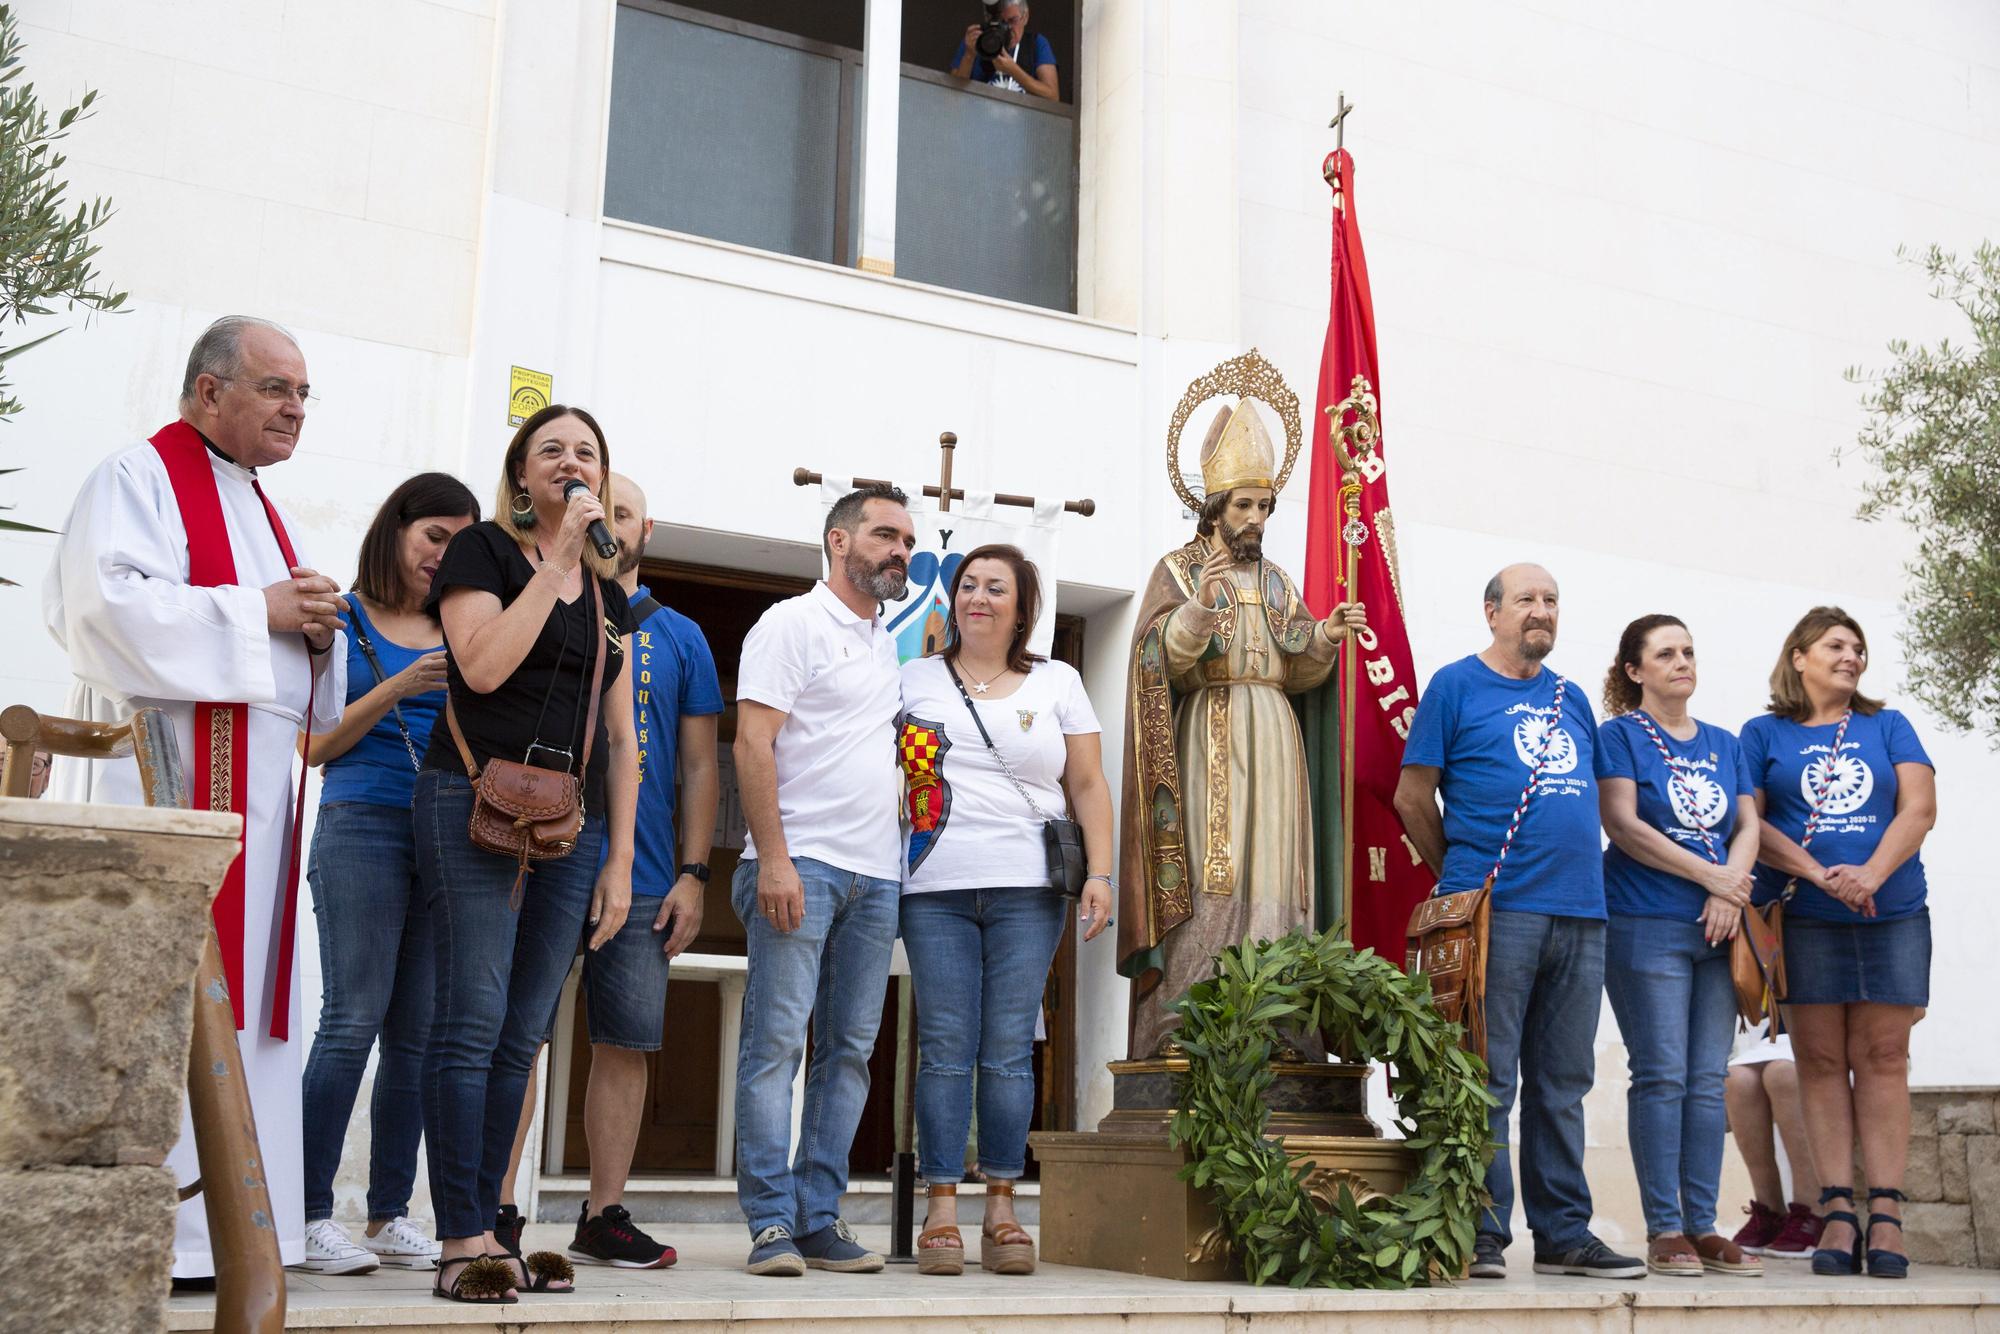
(708, 1289)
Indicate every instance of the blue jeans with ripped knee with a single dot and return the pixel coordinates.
(979, 958)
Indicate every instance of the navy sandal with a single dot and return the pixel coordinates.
(1881, 1263)
(1833, 1263)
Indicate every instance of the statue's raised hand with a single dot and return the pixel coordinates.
(1214, 578)
(1344, 620)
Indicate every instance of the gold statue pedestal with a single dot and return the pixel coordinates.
(1113, 1199)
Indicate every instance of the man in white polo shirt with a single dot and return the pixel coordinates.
(816, 703)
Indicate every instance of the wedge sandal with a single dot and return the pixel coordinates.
(1007, 1249)
(941, 1250)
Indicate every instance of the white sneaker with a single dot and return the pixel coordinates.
(329, 1250)
(403, 1244)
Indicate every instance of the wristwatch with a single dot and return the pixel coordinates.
(699, 870)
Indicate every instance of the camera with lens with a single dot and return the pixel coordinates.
(994, 34)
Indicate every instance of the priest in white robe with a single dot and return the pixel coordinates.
(172, 587)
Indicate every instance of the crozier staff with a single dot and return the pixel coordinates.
(530, 615)
(176, 585)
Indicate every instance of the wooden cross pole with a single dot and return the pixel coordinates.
(944, 492)
(1339, 123)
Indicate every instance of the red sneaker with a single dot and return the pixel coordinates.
(1799, 1236)
(1757, 1234)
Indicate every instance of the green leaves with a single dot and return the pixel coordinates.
(1369, 1011)
(1931, 430)
(48, 254)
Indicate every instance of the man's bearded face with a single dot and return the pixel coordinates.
(1246, 544)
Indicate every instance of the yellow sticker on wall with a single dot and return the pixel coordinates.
(528, 392)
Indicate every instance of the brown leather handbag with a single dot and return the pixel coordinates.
(523, 810)
(1447, 935)
(1757, 965)
(1757, 956)
(1447, 941)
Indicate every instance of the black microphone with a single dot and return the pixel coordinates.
(600, 536)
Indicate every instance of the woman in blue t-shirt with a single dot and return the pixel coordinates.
(1847, 795)
(1675, 798)
(374, 928)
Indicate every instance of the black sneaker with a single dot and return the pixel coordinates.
(1593, 1259)
(508, 1225)
(1489, 1257)
(612, 1238)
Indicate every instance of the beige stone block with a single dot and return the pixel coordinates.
(1923, 1178)
(88, 1248)
(1956, 1189)
(1939, 1234)
(1923, 1115)
(102, 914)
(1966, 1114)
(1982, 1162)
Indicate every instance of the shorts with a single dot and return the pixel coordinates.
(1849, 963)
(625, 983)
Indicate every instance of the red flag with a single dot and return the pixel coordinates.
(1385, 879)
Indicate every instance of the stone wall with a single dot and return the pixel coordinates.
(1953, 1180)
(103, 910)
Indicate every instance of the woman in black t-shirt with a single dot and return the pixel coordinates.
(521, 637)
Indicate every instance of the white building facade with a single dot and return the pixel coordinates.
(1619, 263)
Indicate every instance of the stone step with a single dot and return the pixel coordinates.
(708, 1290)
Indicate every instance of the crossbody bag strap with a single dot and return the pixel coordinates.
(596, 672)
(1819, 798)
(367, 647)
(1675, 779)
(998, 758)
(458, 737)
(1534, 777)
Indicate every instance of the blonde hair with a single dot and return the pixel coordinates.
(1788, 689)
(519, 525)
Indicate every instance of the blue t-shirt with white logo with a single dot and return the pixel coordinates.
(676, 679)
(1713, 776)
(1485, 731)
(1789, 761)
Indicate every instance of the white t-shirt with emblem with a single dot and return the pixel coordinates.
(965, 825)
(834, 675)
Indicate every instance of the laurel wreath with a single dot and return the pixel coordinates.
(1367, 1010)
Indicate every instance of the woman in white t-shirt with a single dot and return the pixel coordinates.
(980, 921)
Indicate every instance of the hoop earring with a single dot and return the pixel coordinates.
(522, 512)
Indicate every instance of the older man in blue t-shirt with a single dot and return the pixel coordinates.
(1486, 726)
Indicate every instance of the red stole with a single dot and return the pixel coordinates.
(222, 731)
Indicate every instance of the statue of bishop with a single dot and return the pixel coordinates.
(1219, 828)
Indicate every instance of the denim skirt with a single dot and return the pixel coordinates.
(1845, 963)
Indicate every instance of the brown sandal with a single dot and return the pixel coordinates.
(1007, 1249)
(941, 1250)
(1672, 1255)
(1720, 1255)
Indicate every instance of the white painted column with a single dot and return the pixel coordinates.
(881, 89)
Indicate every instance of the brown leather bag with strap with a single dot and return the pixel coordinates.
(1447, 935)
(523, 810)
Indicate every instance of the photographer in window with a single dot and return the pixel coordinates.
(992, 50)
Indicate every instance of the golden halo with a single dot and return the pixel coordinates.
(1247, 376)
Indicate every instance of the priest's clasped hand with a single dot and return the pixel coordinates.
(1347, 617)
(308, 603)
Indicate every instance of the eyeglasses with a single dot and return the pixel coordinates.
(275, 390)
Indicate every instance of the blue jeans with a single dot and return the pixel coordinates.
(376, 983)
(1544, 984)
(832, 971)
(499, 976)
(980, 959)
(1676, 1008)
